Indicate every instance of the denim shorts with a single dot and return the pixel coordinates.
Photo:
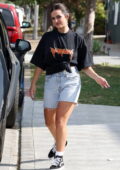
(62, 86)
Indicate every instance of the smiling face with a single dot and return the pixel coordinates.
(59, 19)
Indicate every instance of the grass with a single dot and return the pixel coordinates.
(91, 92)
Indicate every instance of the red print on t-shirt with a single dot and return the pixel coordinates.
(61, 52)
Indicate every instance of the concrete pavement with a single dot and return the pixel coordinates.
(112, 60)
(97, 59)
(93, 138)
(113, 57)
(10, 155)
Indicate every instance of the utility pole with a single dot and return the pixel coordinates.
(35, 29)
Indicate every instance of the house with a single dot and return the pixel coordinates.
(112, 21)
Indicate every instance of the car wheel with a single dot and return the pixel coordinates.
(12, 115)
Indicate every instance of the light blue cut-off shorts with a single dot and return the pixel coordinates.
(62, 86)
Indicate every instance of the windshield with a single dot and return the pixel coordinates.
(8, 18)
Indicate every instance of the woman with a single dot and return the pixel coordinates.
(62, 53)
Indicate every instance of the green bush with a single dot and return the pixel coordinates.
(97, 46)
(99, 28)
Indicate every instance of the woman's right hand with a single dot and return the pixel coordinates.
(32, 91)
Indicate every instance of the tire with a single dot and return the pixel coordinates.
(12, 115)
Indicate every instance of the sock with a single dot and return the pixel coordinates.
(59, 153)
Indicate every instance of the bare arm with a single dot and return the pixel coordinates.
(100, 80)
(37, 73)
(32, 89)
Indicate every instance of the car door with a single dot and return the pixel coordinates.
(4, 80)
(12, 64)
(4, 87)
(1, 86)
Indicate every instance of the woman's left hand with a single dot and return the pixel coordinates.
(102, 82)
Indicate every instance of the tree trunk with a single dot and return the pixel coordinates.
(35, 31)
(44, 20)
(89, 23)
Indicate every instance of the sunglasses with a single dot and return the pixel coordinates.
(57, 17)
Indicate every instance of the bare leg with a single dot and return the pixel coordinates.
(63, 113)
(50, 116)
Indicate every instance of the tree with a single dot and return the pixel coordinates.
(79, 8)
(89, 23)
(35, 30)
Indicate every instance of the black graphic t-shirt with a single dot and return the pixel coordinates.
(56, 49)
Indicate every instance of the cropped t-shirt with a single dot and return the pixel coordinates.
(55, 49)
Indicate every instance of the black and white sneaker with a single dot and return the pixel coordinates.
(52, 152)
(57, 163)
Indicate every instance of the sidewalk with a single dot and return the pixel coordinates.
(112, 60)
(113, 57)
(93, 138)
(10, 151)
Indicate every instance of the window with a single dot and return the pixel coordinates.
(4, 34)
(5, 44)
(7, 15)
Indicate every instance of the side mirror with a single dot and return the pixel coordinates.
(22, 46)
(26, 24)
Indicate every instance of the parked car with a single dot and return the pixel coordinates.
(12, 22)
(11, 19)
(9, 80)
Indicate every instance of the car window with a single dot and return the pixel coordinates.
(7, 15)
(5, 43)
(4, 34)
(4, 37)
(1, 35)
